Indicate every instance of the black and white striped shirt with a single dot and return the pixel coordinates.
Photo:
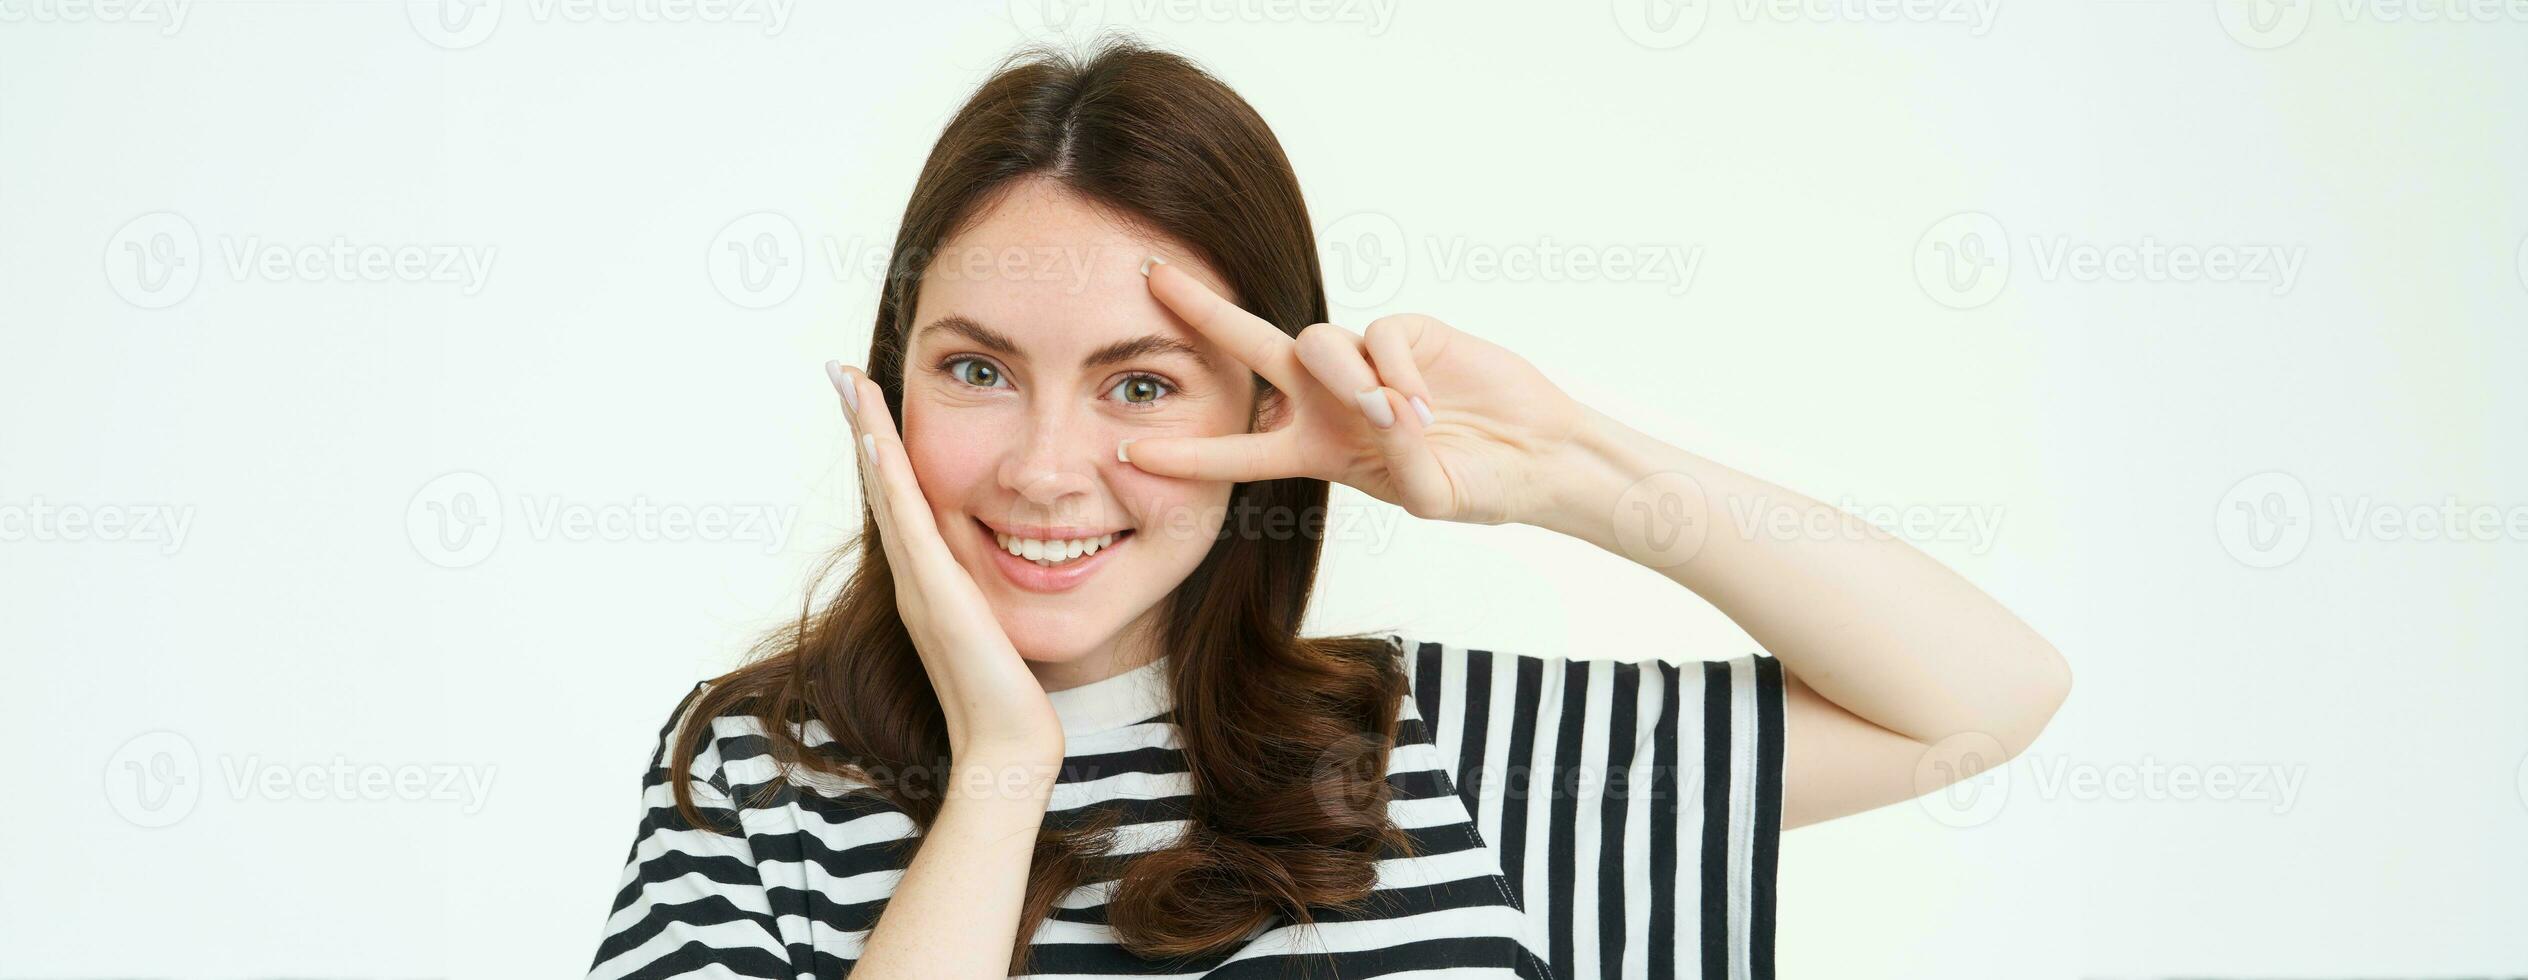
(1570, 819)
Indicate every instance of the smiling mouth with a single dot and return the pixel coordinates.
(1053, 552)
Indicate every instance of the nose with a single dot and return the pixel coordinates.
(1053, 468)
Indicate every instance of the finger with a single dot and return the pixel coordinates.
(847, 385)
(907, 517)
(1334, 357)
(1255, 343)
(1242, 458)
(1337, 357)
(1421, 485)
(1391, 340)
(841, 376)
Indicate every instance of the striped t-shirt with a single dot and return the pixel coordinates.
(1569, 818)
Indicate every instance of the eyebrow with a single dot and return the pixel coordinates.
(1115, 353)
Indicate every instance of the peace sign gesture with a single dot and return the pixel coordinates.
(1417, 413)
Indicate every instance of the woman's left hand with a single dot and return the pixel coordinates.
(1417, 413)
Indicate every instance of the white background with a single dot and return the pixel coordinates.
(2200, 486)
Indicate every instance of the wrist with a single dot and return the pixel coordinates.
(1581, 479)
(1003, 774)
(1620, 489)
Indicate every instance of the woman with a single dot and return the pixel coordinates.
(1059, 719)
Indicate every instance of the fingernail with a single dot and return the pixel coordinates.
(1148, 262)
(844, 383)
(869, 447)
(1422, 410)
(1120, 456)
(1374, 404)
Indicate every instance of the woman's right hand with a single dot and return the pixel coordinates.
(996, 709)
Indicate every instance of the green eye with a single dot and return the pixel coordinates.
(989, 376)
(1139, 385)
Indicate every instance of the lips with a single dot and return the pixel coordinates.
(1032, 577)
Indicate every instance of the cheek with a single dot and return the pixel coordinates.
(952, 462)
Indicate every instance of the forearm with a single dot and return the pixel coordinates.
(955, 911)
(1867, 620)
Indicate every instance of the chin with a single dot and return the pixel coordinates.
(1063, 652)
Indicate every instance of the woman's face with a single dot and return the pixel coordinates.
(1036, 347)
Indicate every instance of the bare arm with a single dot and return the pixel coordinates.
(1896, 664)
(955, 912)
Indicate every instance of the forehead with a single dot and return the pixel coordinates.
(1051, 271)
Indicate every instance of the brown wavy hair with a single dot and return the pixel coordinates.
(1285, 737)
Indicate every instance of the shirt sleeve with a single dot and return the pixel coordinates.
(1635, 808)
(691, 902)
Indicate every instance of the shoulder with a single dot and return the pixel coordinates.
(731, 751)
(1449, 677)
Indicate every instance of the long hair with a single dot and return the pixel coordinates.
(1285, 737)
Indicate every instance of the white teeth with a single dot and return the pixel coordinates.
(1052, 552)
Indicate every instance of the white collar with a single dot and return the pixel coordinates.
(1132, 696)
